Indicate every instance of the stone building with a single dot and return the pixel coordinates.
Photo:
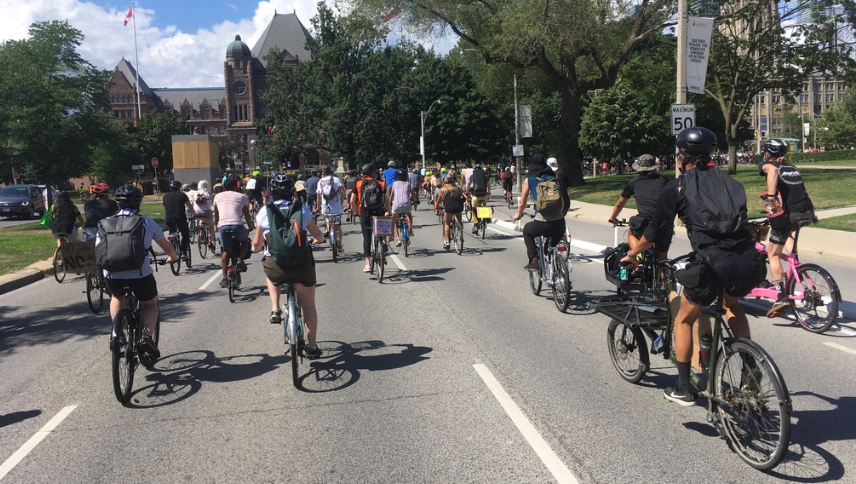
(229, 111)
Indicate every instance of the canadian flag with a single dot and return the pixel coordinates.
(130, 14)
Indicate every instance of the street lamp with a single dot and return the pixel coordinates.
(422, 115)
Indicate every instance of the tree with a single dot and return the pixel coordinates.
(577, 45)
(115, 154)
(281, 137)
(757, 46)
(837, 127)
(154, 135)
(51, 103)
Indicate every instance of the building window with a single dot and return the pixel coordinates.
(223, 112)
(124, 114)
(763, 99)
(840, 95)
(115, 113)
(805, 86)
(222, 129)
(206, 114)
(830, 97)
(776, 99)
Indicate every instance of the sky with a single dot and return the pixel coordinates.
(180, 43)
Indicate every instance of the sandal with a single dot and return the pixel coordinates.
(367, 269)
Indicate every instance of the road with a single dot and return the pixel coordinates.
(450, 370)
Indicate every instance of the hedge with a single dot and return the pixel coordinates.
(816, 157)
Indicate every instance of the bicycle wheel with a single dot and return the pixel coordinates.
(95, 291)
(561, 283)
(405, 239)
(468, 213)
(123, 355)
(202, 242)
(191, 231)
(627, 350)
(232, 282)
(753, 404)
(459, 237)
(59, 270)
(189, 258)
(296, 345)
(381, 260)
(818, 308)
(334, 244)
(509, 200)
(483, 228)
(175, 267)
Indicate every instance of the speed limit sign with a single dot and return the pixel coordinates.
(683, 116)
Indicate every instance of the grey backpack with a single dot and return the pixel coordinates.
(121, 243)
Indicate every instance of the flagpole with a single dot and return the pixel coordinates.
(137, 61)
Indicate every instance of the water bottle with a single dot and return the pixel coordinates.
(657, 345)
(624, 274)
(768, 207)
(704, 350)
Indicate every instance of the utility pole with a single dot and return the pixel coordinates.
(517, 139)
(681, 97)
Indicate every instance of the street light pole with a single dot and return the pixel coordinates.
(422, 115)
(517, 138)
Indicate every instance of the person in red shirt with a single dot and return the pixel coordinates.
(369, 201)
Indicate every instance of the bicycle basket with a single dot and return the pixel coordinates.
(382, 226)
(484, 212)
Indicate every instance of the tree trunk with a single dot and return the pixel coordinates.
(731, 138)
(570, 154)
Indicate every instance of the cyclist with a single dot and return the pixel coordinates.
(551, 226)
(98, 208)
(730, 260)
(415, 180)
(255, 187)
(330, 193)
(401, 197)
(64, 215)
(229, 206)
(359, 201)
(466, 173)
(478, 187)
(436, 185)
(646, 188)
(312, 190)
(301, 275)
(175, 202)
(784, 178)
(350, 186)
(389, 174)
(141, 281)
(202, 207)
(452, 198)
(507, 178)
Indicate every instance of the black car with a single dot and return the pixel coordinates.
(24, 201)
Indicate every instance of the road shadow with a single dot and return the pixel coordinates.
(400, 277)
(342, 363)
(15, 417)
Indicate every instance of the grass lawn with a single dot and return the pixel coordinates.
(844, 222)
(22, 245)
(827, 189)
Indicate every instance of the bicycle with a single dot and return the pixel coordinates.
(174, 239)
(509, 199)
(192, 223)
(58, 266)
(468, 208)
(96, 289)
(204, 239)
(333, 224)
(813, 293)
(456, 235)
(124, 346)
(402, 228)
(381, 229)
(483, 214)
(748, 401)
(294, 331)
(233, 275)
(554, 269)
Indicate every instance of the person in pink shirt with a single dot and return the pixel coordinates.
(229, 207)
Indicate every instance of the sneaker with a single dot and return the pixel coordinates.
(276, 317)
(475, 230)
(242, 266)
(532, 265)
(224, 283)
(148, 349)
(446, 245)
(682, 397)
(313, 352)
(211, 247)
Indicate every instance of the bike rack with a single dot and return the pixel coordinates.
(633, 311)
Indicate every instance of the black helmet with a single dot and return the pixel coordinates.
(696, 141)
(129, 196)
(368, 169)
(281, 187)
(194, 186)
(401, 175)
(314, 172)
(175, 185)
(776, 148)
(478, 166)
(352, 172)
(301, 177)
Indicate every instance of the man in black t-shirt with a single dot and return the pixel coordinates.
(100, 207)
(646, 188)
(174, 204)
(785, 179)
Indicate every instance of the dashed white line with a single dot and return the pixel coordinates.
(555, 465)
(505, 233)
(397, 262)
(31, 444)
(842, 348)
(212, 279)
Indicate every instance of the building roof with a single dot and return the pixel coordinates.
(286, 32)
(237, 47)
(130, 74)
(194, 95)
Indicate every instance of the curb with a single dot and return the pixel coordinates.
(20, 278)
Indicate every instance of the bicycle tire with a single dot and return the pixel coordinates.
(459, 237)
(296, 346)
(405, 239)
(191, 232)
(189, 259)
(561, 283)
(483, 228)
(202, 242)
(232, 282)
(59, 269)
(510, 201)
(175, 267)
(468, 213)
(823, 296)
(535, 281)
(95, 291)
(372, 255)
(763, 397)
(627, 350)
(123, 355)
(381, 261)
(334, 244)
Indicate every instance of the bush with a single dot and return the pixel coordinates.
(147, 185)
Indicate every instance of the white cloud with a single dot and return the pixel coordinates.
(168, 56)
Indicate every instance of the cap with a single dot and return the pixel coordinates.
(553, 163)
(646, 163)
(299, 186)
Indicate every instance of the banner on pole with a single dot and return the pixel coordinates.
(806, 129)
(525, 117)
(699, 30)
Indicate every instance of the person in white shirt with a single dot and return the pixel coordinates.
(330, 194)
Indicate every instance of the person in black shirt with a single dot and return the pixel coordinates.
(646, 188)
(174, 204)
(724, 261)
(785, 179)
(100, 207)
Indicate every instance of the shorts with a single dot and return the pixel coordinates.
(205, 214)
(303, 273)
(406, 208)
(507, 185)
(637, 225)
(255, 195)
(782, 226)
(145, 289)
(241, 235)
(735, 272)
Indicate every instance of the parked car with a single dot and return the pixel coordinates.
(24, 201)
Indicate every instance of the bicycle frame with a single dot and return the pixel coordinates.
(791, 273)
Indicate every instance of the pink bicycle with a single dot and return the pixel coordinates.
(813, 293)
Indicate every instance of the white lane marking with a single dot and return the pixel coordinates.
(212, 279)
(397, 262)
(842, 348)
(555, 465)
(516, 236)
(31, 444)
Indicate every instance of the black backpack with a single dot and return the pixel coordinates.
(327, 190)
(372, 195)
(454, 200)
(286, 240)
(717, 202)
(121, 243)
(479, 182)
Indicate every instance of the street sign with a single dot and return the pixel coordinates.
(517, 150)
(16, 175)
(683, 116)
(138, 167)
(154, 162)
